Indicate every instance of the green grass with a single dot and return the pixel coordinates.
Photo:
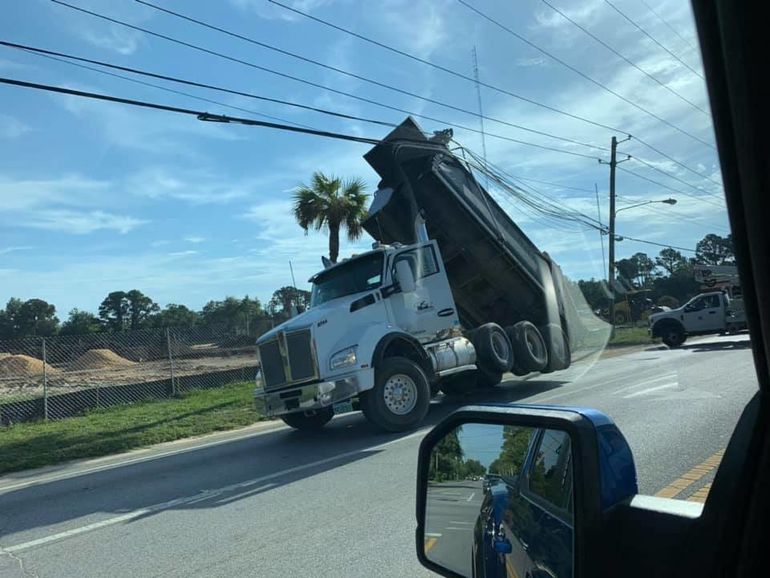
(118, 429)
(632, 336)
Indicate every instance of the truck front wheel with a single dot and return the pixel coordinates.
(400, 397)
(673, 336)
(308, 420)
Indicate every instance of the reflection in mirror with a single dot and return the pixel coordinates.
(499, 502)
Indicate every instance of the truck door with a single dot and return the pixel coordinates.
(430, 309)
(704, 314)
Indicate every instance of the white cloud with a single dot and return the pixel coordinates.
(270, 11)
(71, 189)
(182, 253)
(526, 62)
(80, 222)
(196, 186)
(115, 38)
(194, 240)
(11, 127)
(7, 250)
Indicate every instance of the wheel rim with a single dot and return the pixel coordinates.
(400, 393)
(673, 337)
(533, 344)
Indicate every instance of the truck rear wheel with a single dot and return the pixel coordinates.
(529, 351)
(309, 420)
(493, 346)
(400, 397)
(559, 357)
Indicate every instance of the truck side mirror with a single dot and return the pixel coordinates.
(405, 276)
(506, 490)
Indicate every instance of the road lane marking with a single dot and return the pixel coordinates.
(511, 571)
(646, 382)
(691, 476)
(433, 534)
(471, 496)
(429, 543)
(651, 389)
(454, 522)
(202, 495)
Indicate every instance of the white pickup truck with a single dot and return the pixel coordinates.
(712, 312)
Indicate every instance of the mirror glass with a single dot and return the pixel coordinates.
(500, 502)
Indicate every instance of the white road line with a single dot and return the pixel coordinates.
(664, 377)
(433, 535)
(651, 389)
(447, 528)
(205, 494)
(456, 522)
(471, 496)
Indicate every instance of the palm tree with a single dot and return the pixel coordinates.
(330, 203)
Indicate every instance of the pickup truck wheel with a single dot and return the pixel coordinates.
(493, 347)
(529, 351)
(309, 420)
(400, 397)
(673, 336)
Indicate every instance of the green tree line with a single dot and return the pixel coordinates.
(665, 279)
(130, 310)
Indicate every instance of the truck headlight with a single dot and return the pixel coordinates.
(259, 381)
(344, 358)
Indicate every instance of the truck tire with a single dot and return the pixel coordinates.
(493, 347)
(486, 378)
(673, 335)
(400, 397)
(309, 420)
(558, 357)
(529, 350)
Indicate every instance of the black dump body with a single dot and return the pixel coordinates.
(496, 273)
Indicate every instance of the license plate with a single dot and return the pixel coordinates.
(343, 407)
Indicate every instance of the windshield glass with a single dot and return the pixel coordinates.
(354, 276)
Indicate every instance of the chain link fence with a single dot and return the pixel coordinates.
(62, 376)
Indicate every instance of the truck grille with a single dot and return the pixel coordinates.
(288, 359)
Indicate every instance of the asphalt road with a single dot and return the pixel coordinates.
(274, 502)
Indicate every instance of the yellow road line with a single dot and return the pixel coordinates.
(429, 543)
(510, 570)
(690, 477)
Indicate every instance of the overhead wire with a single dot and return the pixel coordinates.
(317, 85)
(63, 55)
(670, 27)
(673, 215)
(673, 190)
(387, 86)
(625, 59)
(442, 68)
(648, 35)
(674, 177)
(584, 75)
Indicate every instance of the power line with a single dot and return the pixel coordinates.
(316, 85)
(442, 68)
(557, 185)
(630, 62)
(673, 190)
(669, 175)
(701, 221)
(648, 35)
(672, 28)
(384, 85)
(583, 74)
(201, 115)
(52, 53)
(673, 160)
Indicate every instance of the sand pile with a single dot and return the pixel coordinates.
(15, 365)
(100, 359)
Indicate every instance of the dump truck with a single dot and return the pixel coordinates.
(452, 295)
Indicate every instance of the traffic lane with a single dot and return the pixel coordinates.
(451, 512)
(676, 408)
(353, 520)
(38, 510)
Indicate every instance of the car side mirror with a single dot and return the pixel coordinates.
(405, 276)
(519, 490)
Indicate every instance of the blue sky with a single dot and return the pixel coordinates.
(97, 197)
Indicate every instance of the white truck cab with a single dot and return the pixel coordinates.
(391, 303)
(712, 312)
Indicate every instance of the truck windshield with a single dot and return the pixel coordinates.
(354, 276)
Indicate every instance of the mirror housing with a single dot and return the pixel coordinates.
(603, 469)
(405, 277)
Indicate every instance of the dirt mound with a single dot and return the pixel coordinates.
(15, 365)
(100, 359)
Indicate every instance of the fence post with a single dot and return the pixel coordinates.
(170, 361)
(45, 381)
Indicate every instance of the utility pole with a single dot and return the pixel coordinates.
(611, 232)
